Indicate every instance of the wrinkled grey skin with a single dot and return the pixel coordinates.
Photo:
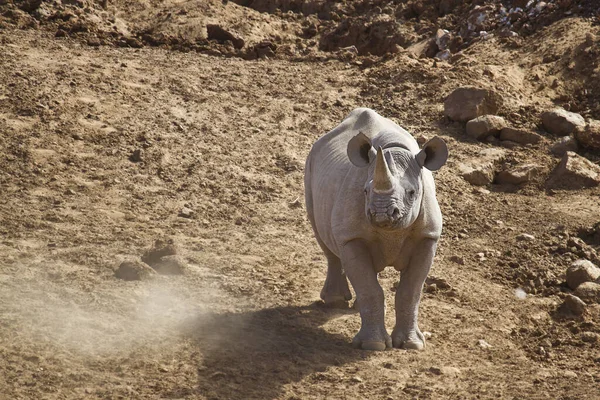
(370, 197)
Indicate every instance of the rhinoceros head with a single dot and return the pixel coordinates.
(394, 188)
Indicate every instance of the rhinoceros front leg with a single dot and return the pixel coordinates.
(406, 333)
(357, 263)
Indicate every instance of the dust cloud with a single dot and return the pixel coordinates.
(103, 319)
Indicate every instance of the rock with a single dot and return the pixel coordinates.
(457, 259)
(466, 103)
(574, 172)
(582, 271)
(169, 265)
(134, 271)
(519, 174)
(480, 171)
(564, 144)
(574, 304)
(161, 248)
(442, 38)
(356, 379)
(220, 34)
(136, 156)
(186, 212)
(589, 292)
(483, 344)
(590, 337)
(525, 237)
(443, 55)
(589, 135)
(561, 122)
(519, 136)
(481, 127)
(450, 371)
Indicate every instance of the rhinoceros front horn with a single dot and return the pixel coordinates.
(382, 181)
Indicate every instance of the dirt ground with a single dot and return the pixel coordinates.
(122, 123)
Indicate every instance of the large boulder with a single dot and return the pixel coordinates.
(519, 136)
(574, 172)
(582, 271)
(561, 122)
(467, 103)
(481, 127)
(588, 292)
(589, 135)
(518, 174)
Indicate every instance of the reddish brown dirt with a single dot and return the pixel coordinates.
(85, 84)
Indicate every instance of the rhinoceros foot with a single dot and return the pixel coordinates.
(373, 340)
(336, 293)
(411, 340)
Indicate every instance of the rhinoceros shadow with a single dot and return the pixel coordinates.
(252, 355)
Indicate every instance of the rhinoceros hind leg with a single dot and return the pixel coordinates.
(335, 292)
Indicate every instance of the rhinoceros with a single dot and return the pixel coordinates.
(370, 198)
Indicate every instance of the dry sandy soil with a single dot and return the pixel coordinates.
(222, 136)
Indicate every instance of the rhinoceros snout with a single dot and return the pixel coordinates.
(386, 219)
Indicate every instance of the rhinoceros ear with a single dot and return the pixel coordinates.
(360, 151)
(433, 155)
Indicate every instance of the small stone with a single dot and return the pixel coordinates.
(526, 237)
(136, 156)
(134, 271)
(444, 55)
(483, 344)
(569, 374)
(574, 172)
(519, 174)
(427, 335)
(169, 265)
(588, 292)
(590, 337)
(564, 144)
(449, 371)
(467, 103)
(481, 127)
(574, 304)
(186, 212)
(561, 122)
(70, 192)
(519, 136)
(356, 379)
(582, 271)
(457, 259)
(588, 136)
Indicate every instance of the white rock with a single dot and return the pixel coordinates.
(483, 344)
(582, 271)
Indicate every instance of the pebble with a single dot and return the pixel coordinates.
(186, 212)
(525, 237)
(483, 344)
(590, 337)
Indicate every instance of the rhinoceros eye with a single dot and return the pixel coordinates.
(411, 194)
